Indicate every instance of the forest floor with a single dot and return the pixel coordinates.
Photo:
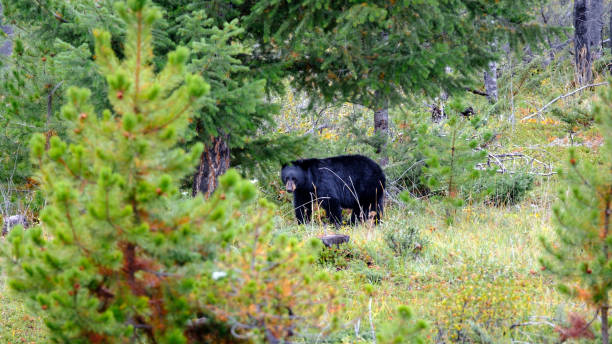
(474, 279)
(478, 278)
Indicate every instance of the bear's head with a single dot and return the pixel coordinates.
(294, 177)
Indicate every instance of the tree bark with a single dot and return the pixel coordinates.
(551, 50)
(595, 27)
(381, 125)
(214, 162)
(490, 80)
(588, 24)
(582, 52)
(605, 337)
(7, 47)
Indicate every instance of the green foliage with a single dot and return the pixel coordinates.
(452, 149)
(116, 227)
(402, 329)
(269, 285)
(574, 118)
(237, 103)
(505, 189)
(120, 254)
(405, 242)
(371, 53)
(579, 255)
(341, 256)
(406, 168)
(53, 48)
(473, 297)
(57, 48)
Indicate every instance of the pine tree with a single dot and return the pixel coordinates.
(233, 123)
(121, 255)
(52, 48)
(580, 253)
(452, 149)
(377, 53)
(235, 133)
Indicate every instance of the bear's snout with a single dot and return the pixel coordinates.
(290, 186)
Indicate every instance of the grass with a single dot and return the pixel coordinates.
(17, 325)
(472, 280)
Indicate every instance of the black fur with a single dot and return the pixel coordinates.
(348, 181)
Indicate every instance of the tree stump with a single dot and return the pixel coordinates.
(334, 239)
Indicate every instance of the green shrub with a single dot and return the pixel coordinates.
(405, 242)
(340, 257)
(509, 189)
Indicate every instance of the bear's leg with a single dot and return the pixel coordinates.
(302, 214)
(379, 205)
(372, 209)
(356, 215)
(302, 206)
(334, 211)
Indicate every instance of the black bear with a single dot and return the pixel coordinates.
(348, 181)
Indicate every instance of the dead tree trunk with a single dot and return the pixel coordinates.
(490, 81)
(595, 27)
(588, 24)
(582, 51)
(551, 50)
(214, 162)
(381, 127)
(381, 118)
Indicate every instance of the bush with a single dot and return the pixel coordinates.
(509, 189)
(340, 257)
(405, 242)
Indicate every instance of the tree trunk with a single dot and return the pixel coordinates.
(595, 27)
(605, 337)
(381, 125)
(381, 118)
(213, 163)
(7, 47)
(551, 51)
(588, 24)
(528, 54)
(582, 51)
(490, 80)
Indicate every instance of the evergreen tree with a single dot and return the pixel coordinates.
(52, 48)
(120, 255)
(60, 34)
(233, 122)
(376, 53)
(452, 149)
(580, 254)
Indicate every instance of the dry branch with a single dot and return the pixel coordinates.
(539, 112)
(498, 161)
